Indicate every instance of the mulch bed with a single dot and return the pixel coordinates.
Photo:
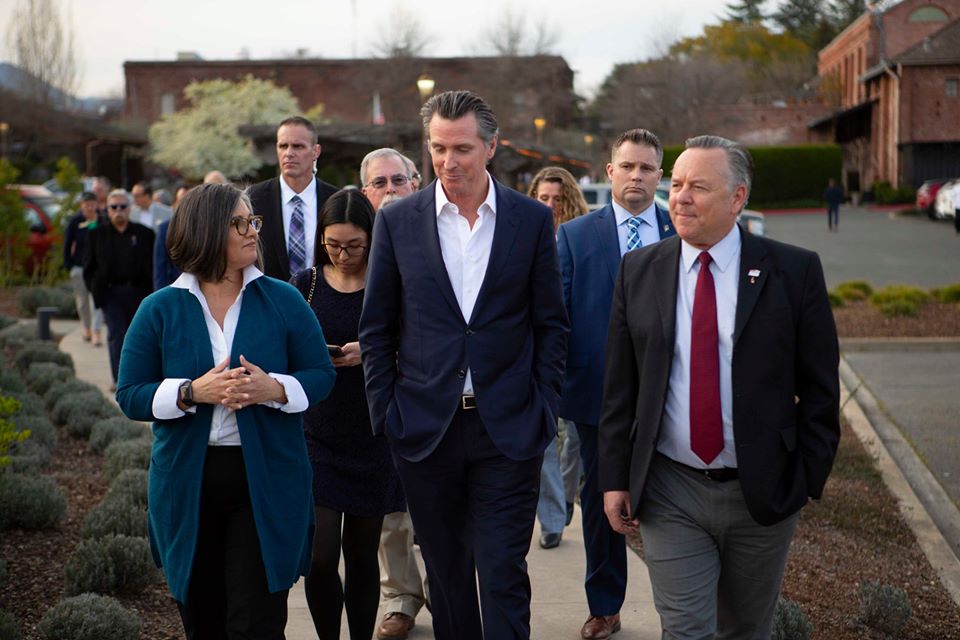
(861, 319)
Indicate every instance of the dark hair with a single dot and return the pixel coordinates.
(641, 137)
(145, 186)
(200, 227)
(348, 206)
(300, 121)
(453, 105)
(88, 196)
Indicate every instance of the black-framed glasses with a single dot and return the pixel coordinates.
(243, 225)
(397, 180)
(120, 207)
(353, 250)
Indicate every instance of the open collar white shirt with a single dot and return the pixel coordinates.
(223, 426)
(466, 251)
(649, 233)
(310, 215)
(674, 440)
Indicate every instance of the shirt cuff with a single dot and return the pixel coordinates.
(165, 400)
(296, 397)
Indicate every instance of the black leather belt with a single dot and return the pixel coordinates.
(468, 402)
(723, 474)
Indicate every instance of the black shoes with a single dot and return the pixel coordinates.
(550, 540)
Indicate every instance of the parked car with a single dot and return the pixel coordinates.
(40, 208)
(597, 194)
(946, 196)
(927, 196)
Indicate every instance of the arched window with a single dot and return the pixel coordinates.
(928, 13)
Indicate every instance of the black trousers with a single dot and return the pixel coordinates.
(119, 307)
(228, 596)
(473, 510)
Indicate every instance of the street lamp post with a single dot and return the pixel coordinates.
(425, 85)
(540, 123)
(4, 128)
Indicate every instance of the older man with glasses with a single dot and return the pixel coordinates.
(118, 270)
(385, 174)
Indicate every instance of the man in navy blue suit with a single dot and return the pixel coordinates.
(590, 248)
(463, 334)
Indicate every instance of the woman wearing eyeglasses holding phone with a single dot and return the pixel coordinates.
(224, 362)
(354, 481)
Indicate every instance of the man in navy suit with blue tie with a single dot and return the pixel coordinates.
(590, 248)
(463, 334)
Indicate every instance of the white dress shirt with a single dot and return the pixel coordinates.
(649, 233)
(223, 426)
(674, 439)
(310, 215)
(466, 251)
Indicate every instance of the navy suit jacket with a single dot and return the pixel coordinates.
(417, 346)
(589, 250)
(164, 271)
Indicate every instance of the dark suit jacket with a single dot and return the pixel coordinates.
(164, 271)
(265, 197)
(417, 346)
(100, 270)
(589, 251)
(784, 347)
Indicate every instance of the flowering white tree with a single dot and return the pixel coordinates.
(205, 135)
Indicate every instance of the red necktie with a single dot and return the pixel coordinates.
(706, 424)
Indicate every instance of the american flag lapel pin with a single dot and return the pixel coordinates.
(666, 227)
(753, 274)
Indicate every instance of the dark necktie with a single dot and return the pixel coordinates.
(298, 244)
(706, 423)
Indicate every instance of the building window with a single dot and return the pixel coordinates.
(952, 85)
(166, 104)
(928, 14)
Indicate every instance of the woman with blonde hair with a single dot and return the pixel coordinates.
(558, 189)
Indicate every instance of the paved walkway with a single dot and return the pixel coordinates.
(559, 606)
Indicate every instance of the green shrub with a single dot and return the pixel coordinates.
(884, 193)
(78, 412)
(835, 299)
(6, 321)
(28, 457)
(30, 502)
(42, 352)
(899, 300)
(884, 607)
(30, 404)
(131, 484)
(127, 454)
(948, 294)
(789, 621)
(41, 430)
(32, 298)
(854, 290)
(112, 564)
(109, 430)
(40, 376)
(116, 514)
(9, 627)
(71, 386)
(18, 335)
(10, 381)
(89, 617)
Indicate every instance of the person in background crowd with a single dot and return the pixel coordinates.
(118, 270)
(215, 177)
(834, 196)
(721, 402)
(224, 362)
(162, 196)
(383, 173)
(560, 474)
(291, 202)
(74, 249)
(590, 248)
(101, 188)
(145, 211)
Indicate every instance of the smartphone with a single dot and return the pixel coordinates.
(334, 351)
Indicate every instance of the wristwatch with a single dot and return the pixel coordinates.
(185, 393)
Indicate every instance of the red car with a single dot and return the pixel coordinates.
(40, 208)
(927, 196)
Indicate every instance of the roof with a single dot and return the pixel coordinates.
(940, 47)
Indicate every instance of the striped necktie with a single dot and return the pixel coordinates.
(633, 235)
(297, 247)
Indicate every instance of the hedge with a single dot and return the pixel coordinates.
(89, 617)
(127, 454)
(42, 352)
(111, 564)
(113, 429)
(32, 298)
(75, 385)
(117, 514)
(30, 502)
(41, 376)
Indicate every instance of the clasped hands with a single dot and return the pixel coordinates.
(237, 388)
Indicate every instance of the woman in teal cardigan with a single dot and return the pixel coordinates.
(224, 362)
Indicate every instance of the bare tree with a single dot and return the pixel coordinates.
(42, 47)
(401, 35)
(509, 36)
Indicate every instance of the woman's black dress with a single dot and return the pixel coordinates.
(352, 469)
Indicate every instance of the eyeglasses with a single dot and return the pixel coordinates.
(353, 250)
(398, 180)
(243, 225)
(121, 207)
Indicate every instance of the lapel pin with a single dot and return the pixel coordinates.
(753, 274)
(666, 227)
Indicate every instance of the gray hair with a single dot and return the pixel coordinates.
(453, 105)
(738, 159)
(640, 137)
(120, 193)
(384, 152)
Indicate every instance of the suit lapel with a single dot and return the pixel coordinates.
(426, 222)
(753, 259)
(665, 270)
(276, 223)
(664, 224)
(606, 226)
(504, 234)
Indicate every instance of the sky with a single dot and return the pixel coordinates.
(593, 36)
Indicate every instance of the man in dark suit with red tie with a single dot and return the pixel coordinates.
(720, 413)
(463, 334)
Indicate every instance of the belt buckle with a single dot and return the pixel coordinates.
(468, 402)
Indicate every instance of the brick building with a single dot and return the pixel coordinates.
(892, 76)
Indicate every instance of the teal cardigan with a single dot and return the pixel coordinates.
(168, 338)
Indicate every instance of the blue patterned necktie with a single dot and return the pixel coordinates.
(297, 248)
(633, 235)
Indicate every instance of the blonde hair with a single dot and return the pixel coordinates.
(573, 204)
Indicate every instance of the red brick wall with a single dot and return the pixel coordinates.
(902, 34)
(927, 114)
(767, 124)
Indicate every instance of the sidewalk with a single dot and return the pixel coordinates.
(559, 606)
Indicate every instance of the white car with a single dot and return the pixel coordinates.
(945, 206)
